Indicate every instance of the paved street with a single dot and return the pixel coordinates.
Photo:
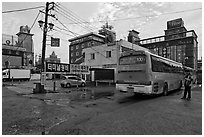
(97, 111)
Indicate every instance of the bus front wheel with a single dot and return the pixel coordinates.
(165, 89)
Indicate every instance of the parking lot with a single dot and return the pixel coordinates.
(98, 110)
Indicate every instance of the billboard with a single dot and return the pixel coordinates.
(76, 68)
(175, 23)
(57, 67)
(13, 60)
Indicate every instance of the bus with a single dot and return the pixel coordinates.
(199, 76)
(147, 73)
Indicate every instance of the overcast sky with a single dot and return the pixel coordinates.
(149, 18)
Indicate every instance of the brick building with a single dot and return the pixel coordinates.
(81, 42)
(177, 44)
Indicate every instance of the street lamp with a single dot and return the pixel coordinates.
(49, 28)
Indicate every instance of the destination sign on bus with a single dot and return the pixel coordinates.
(132, 60)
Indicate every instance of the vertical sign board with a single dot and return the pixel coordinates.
(57, 67)
(43, 79)
(55, 42)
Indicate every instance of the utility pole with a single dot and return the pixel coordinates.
(44, 37)
(45, 30)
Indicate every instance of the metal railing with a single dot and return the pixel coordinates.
(9, 40)
(190, 33)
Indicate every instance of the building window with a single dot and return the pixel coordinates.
(92, 56)
(89, 44)
(17, 53)
(77, 46)
(84, 55)
(108, 54)
(82, 45)
(77, 53)
(71, 54)
(72, 48)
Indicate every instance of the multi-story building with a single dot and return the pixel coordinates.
(82, 42)
(177, 44)
(18, 51)
(106, 56)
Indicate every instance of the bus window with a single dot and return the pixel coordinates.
(136, 59)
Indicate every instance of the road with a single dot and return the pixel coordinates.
(98, 111)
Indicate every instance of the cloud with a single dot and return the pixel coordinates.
(131, 14)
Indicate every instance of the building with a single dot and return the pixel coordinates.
(177, 44)
(108, 33)
(106, 56)
(133, 37)
(199, 72)
(53, 58)
(200, 64)
(18, 51)
(82, 42)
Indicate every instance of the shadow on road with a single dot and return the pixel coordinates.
(142, 97)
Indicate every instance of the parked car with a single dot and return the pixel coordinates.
(69, 81)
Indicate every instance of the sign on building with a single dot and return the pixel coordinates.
(55, 42)
(76, 68)
(175, 23)
(57, 67)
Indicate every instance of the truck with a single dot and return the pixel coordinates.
(16, 74)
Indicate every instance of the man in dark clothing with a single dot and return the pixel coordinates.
(187, 85)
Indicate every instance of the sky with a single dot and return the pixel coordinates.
(148, 18)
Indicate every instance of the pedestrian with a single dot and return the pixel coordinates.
(187, 84)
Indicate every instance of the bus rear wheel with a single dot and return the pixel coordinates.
(165, 89)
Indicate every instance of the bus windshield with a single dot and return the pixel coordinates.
(131, 60)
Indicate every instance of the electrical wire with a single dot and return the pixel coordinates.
(73, 18)
(23, 9)
(60, 31)
(77, 17)
(66, 27)
(141, 16)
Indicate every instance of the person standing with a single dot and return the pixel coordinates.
(187, 84)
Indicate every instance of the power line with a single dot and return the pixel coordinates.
(66, 27)
(140, 16)
(73, 18)
(76, 16)
(23, 9)
(60, 31)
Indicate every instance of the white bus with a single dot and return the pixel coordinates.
(147, 73)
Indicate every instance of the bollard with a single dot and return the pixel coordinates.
(77, 87)
(12, 81)
(54, 86)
